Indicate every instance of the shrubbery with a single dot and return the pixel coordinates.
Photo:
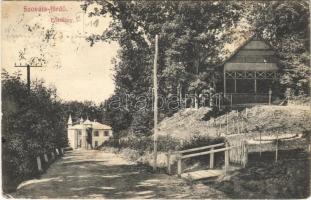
(165, 143)
(33, 123)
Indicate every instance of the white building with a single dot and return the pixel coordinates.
(87, 134)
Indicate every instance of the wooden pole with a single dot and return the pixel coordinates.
(28, 73)
(211, 161)
(39, 164)
(179, 167)
(310, 104)
(270, 94)
(276, 146)
(227, 131)
(245, 153)
(226, 158)
(57, 152)
(28, 77)
(255, 85)
(234, 82)
(155, 86)
(260, 143)
(169, 162)
(46, 158)
(219, 101)
(231, 101)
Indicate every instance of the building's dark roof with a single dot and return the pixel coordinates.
(253, 37)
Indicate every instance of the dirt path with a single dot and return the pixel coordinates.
(97, 174)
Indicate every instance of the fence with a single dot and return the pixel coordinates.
(241, 98)
(235, 125)
(207, 150)
(41, 166)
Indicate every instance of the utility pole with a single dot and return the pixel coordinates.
(28, 72)
(155, 113)
(310, 90)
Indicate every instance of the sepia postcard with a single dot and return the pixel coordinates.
(155, 99)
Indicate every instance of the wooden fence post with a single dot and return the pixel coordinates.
(62, 150)
(227, 131)
(46, 158)
(226, 158)
(260, 143)
(39, 163)
(179, 167)
(245, 153)
(277, 146)
(211, 160)
(53, 155)
(270, 93)
(169, 162)
(57, 152)
(181, 142)
(219, 101)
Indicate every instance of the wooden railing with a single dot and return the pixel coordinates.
(246, 98)
(204, 151)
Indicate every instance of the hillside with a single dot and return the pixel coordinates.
(266, 119)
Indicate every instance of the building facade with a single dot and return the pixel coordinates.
(250, 73)
(87, 134)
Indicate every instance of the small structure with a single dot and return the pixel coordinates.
(87, 134)
(250, 73)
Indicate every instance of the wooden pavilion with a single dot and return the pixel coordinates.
(250, 73)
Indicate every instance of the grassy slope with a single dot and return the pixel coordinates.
(269, 119)
(262, 178)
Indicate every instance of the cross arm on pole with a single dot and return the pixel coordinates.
(28, 72)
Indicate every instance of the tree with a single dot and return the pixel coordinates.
(285, 24)
(32, 124)
(191, 39)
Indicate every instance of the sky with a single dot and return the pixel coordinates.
(78, 71)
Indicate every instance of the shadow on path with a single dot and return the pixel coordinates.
(97, 174)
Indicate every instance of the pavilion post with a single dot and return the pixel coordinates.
(255, 85)
(234, 82)
(270, 93)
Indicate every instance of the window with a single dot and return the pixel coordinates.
(106, 133)
(96, 134)
(96, 143)
(79, 132)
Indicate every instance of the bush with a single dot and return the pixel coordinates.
(165, 143)
(33, 123)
